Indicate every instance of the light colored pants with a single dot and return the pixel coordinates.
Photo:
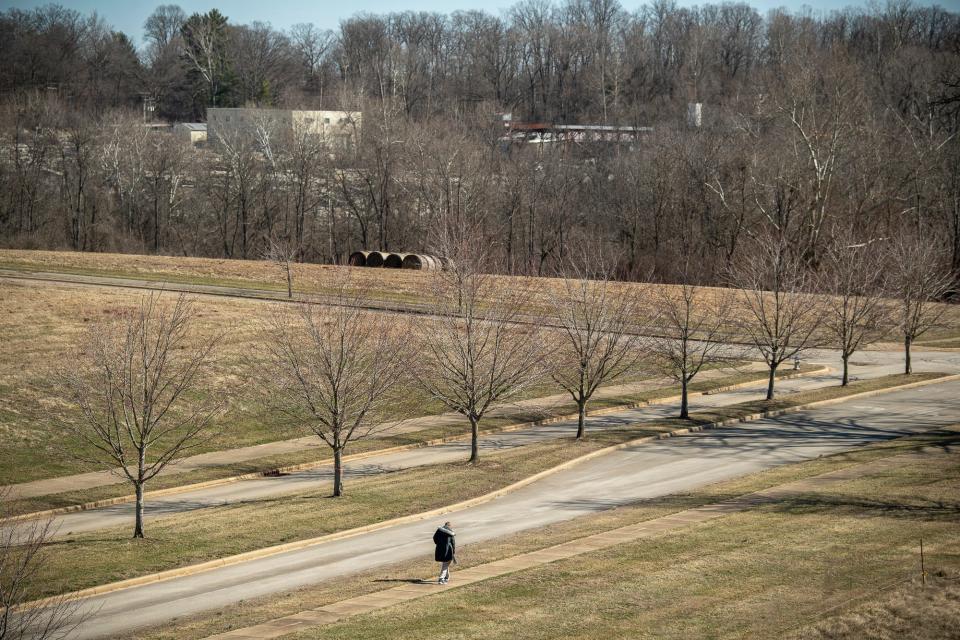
(444, 570)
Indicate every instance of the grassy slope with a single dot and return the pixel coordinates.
(41, 332)
(109, 555)
(749, 575)
(733, 577)
(387, 285)
(916, 609)
(265, 464)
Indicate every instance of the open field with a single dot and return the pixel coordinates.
(394, 287)
(683, 583)
(45, 326)
(108, 555)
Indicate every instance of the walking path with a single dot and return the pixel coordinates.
(547, 407)
(412, 591)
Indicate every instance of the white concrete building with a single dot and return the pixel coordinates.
(336, 128)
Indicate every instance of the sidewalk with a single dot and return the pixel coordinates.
(545, 407)
(382, 599)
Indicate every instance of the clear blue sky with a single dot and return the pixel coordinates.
(128, 15)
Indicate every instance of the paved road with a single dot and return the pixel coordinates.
(261, 488)
(644, 471)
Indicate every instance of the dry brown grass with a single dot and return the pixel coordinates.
(44, 329)
(402, 287)
(705, 582)
(915, 610)
(385, 284)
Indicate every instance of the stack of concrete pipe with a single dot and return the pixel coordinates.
(417, 261)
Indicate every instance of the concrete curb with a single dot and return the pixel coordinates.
(309, 542)
(109, 502)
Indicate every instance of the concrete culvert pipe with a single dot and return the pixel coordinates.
(413, 261)
(358, 258)
(376, 258)
(395, 260)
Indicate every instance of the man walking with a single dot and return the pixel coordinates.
(446, 550)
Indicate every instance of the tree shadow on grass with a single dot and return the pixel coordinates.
(930, 510)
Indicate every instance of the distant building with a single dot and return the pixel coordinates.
(192, 132)
(549, 133)
(336, 128)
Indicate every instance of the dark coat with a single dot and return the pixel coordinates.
(446, 545)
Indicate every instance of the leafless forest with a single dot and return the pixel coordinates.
(815, 127)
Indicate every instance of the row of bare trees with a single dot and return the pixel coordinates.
(344, 373)
(574, 59)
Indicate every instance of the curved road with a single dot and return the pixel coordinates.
(645, 471)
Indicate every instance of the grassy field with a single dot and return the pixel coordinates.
(763, 573)
(916, 609)
(109, 555)
(392, 286)
(44, 327)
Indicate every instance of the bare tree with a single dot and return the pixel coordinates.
(136, 394)
(283, 253)
(695, 322)
(475, 354)
(22, 559)
(780, 315)
(164, 24)
(335, 369)
(599, 326)
(919, 278)
(856, 313)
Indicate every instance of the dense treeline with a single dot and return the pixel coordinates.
(813, 125)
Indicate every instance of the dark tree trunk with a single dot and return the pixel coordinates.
(138, 527)
(684, 403)
(581, 418)
(846, 370)
(474, 439)
(773, 377)
(907, 364)
(337, 473)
